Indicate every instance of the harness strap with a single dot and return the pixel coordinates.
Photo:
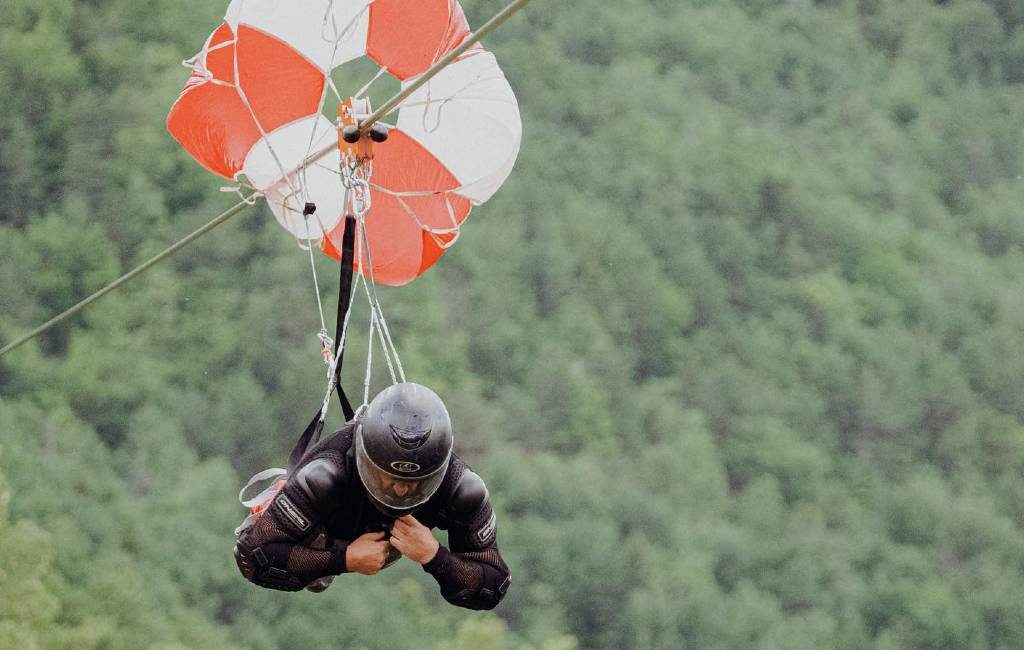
(344, 301)
(316, 426)
(265, 475)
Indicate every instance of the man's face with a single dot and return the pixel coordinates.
(398, 487)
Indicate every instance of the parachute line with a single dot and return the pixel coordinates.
(365, 127)
(319, 302)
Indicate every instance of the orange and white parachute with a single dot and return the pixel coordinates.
(252, 112)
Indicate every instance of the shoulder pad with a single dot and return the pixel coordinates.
(468, 497)
(321, 480)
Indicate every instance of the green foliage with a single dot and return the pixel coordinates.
(736, 349)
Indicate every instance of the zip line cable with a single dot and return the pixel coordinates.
(139, 270)
(364, 128)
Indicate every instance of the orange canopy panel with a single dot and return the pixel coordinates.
(253, 111)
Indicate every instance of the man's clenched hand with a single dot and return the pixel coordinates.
(367, 554)
(414, 540)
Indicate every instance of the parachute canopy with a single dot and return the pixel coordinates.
(252, 112)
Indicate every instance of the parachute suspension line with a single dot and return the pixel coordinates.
(375, 328)
(330, 33)
(369, 360)
(455, 230)
(137, 271)
(195, 66)
(390, 350)
(357, 172)
(303, 173)
(355, 177)
(334, 359)
(376, 317)
(326, 342)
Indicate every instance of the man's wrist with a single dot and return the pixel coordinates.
(433, 555)
(437, 561)
(339, 557)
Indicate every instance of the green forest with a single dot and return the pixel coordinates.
(737, 348)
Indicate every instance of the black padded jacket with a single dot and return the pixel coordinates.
(304, 534)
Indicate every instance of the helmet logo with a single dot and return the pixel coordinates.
(410, 438)
(405, 467)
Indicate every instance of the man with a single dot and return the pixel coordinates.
(370, 494)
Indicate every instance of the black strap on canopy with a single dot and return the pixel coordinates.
(316, 425)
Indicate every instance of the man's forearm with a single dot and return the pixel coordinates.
(288, 566)
(474, 580)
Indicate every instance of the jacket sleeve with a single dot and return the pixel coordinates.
(472, 573)
(276, 550)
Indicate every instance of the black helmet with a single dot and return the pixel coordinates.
(403, 445)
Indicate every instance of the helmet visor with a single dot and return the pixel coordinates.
(392, 489)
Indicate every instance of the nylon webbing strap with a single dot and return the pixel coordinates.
(348, 257)
(316, 425)
(314, 428)
(265, 475)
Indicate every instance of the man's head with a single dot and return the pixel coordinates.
(403, 446)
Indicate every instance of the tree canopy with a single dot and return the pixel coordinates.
(736, 349)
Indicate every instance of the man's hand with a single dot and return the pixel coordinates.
(367, 554)
(414, 540)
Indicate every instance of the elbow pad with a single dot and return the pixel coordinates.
(495, 586)
(258, 568)
(494, 583)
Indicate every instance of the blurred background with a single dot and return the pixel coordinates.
(737, 348)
